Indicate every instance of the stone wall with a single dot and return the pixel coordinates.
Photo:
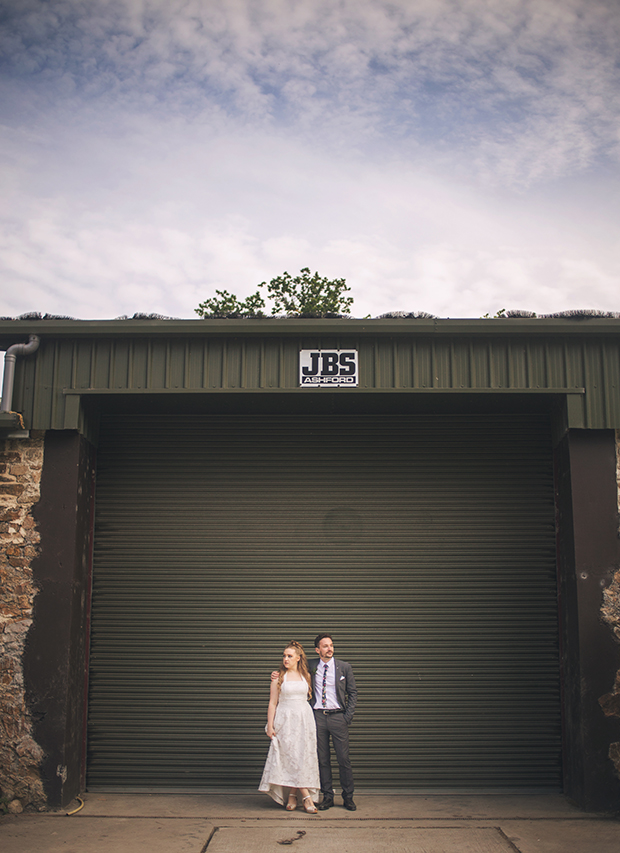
(21, 462)
(610, 611)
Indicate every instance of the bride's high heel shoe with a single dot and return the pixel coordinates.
(292, 803)
(310, 809)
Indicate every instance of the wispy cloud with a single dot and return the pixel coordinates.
(534, 84)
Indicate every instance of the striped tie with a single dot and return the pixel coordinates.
(324, 690)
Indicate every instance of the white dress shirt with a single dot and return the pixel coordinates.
(332, 699)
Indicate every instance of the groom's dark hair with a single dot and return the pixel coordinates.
(320, 637)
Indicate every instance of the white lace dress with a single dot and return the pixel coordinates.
(292, 760)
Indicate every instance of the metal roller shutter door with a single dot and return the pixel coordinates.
(426, 544)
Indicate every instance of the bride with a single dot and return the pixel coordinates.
(292, 763)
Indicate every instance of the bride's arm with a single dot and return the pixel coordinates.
(271, 710)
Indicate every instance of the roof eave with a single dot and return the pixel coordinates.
(12, 330)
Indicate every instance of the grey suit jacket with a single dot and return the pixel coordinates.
(346, 691)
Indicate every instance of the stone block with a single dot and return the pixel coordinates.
(30, 536)
(15, 489)
(20, 628)
(28, 747)
(610, 703)
(34, 455)
(10, 514)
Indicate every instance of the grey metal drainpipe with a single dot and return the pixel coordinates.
(10, 357)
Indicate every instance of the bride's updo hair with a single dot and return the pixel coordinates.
(302, 666)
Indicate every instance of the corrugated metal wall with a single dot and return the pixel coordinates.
(425, 544)
(50, 384)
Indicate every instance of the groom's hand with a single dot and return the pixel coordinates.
(274, 675)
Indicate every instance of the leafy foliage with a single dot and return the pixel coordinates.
(226, 304)
(302, 294)
(308, 294)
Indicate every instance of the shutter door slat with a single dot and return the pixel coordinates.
(426, 544)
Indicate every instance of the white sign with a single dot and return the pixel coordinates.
(320, 368)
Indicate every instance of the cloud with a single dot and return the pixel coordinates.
(186, 216)
(522, 91)
(453, 157)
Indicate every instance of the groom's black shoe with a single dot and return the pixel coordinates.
(327, 803)
(349, 804)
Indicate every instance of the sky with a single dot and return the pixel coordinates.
(449, 156)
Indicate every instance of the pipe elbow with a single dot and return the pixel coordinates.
(10, 357)
(25, 349)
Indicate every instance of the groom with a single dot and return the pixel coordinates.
(334, 700)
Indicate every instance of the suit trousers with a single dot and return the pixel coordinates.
(335, 727)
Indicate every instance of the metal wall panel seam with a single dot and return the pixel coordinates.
(56, 420)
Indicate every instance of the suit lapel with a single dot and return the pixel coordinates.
(339, 685)
(314, 668)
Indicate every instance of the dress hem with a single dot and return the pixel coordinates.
(280, 793)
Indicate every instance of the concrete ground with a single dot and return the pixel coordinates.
(499, 822)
